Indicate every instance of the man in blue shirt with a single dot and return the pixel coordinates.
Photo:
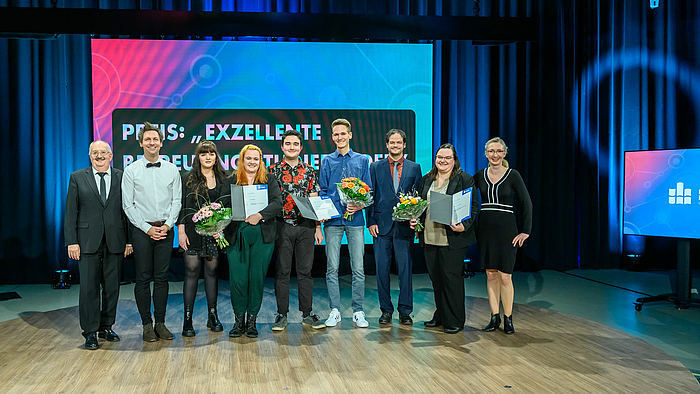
(343, 163)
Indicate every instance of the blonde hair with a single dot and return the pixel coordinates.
(241, 177)
(499, 141)
(342, 122)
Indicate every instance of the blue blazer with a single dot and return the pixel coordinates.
(386, 198)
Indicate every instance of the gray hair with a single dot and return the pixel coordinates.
(109, 148)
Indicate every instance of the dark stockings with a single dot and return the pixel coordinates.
(193, 265)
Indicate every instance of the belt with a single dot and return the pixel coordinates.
(293, 222)
(157, 224)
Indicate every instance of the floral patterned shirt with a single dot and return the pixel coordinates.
(300, 181)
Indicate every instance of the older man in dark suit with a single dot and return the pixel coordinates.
(391, 176)
(95, 231)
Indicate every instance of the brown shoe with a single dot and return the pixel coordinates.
(162, 331)
(148, 334)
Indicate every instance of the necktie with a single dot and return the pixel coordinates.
(103, 187)
(396, 176)
(156, 164)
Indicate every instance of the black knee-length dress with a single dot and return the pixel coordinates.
(496, 224)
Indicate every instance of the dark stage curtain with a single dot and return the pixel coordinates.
(605, 76)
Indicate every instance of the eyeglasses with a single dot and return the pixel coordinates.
(100, 153)
(499, 151)
(443, 157)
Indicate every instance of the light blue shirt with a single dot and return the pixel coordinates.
(335, 167)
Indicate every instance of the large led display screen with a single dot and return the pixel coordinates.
(662, 193)
(236, 93)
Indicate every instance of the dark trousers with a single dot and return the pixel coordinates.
(383, 246)
(295, 241)
(99, 268)
(151, 263)
(445, 271)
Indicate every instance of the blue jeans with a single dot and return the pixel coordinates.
(356, 247)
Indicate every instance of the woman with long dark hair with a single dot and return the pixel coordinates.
(203, 185)
(445, 247)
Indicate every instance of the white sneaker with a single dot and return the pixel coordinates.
(359, 319)
(333, 318)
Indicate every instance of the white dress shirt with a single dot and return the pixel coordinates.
(151, 194)
(108, 180)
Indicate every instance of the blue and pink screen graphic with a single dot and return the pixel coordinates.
(662, 193)
(239, 76)
(240, 92)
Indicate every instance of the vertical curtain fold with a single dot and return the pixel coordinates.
(605, 77)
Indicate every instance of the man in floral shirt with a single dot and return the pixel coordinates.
(296, 235)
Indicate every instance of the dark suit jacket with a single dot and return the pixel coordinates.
(269, 213)
(458, 183)
(386, 198)
(87, 220)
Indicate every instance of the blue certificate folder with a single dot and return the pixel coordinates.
(247, 200)
(447, 209)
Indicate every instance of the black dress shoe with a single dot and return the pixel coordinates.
(91, 341)
(108, 335)
(494, 323)
(453, 330)
(405, 319)
(433, 323)
(385, 318)
(508, 324)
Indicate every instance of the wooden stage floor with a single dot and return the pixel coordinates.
(551, 352)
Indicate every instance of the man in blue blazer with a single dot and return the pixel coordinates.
(391, 176)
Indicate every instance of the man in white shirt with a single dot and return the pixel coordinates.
(151, 196)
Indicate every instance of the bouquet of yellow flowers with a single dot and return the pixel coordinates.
(410, 206)
(213, 219)
(352, 190)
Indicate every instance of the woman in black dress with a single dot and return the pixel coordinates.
(497, 231)
(203, 185)
(445, 247)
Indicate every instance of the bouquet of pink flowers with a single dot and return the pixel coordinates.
(353, 191)
(213, 219)
(410, 206)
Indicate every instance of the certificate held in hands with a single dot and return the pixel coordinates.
(316, 208)
(247, 200)
(448, 209)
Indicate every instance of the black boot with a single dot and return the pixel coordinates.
(213, 322)
(494, 323)
(250, 330)
(187, 329)
(508, 324)
(237, 329)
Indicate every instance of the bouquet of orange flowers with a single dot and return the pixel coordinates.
(410, 206)
(352, 190)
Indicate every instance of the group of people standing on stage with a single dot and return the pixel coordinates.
(151, 196)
